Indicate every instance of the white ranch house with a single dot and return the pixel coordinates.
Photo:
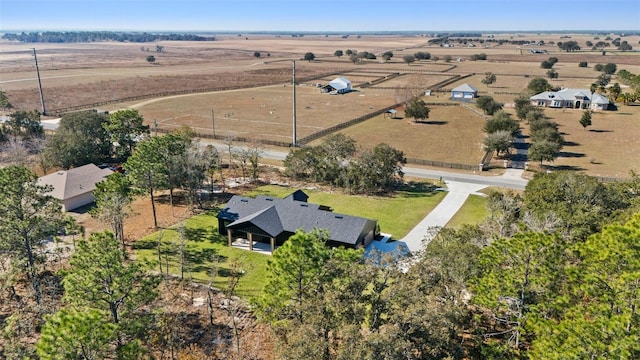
(571, 98)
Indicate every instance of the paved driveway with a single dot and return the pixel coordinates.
(420, 236)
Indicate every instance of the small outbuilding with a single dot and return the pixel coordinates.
(74, 187)
(464, 92)
(339, 85)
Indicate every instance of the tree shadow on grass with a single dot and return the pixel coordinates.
(570, 143)
(225, 272)
(567, 154)
(414, 189)
(199, 259)
(564, 167)
(428, 122)
(200, 235)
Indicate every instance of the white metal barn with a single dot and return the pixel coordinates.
(339, 85)
(464, 92)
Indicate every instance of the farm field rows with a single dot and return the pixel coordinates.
(75, 74)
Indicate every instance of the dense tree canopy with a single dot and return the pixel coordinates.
(417, 109)
(538, 85)
(102, 278)
(23, 125)
(125, 129)
(337, 162)
(29, 217)
(81, 138)
(488, 104)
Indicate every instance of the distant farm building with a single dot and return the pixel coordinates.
(338, 86)
(571, 98)
(464, 92)
(74, 187)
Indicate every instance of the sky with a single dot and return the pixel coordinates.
(319, 15)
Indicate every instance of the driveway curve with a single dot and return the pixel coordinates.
(420, 236)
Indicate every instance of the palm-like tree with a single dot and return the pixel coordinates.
(627, 98)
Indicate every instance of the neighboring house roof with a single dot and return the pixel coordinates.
(340, 83)
(274, 216)
(572, 95)
(465, 88)
(73, 182)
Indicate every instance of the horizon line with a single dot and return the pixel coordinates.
(318, 32)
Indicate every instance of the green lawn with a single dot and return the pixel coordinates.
(396, 215)
(205, 248)
(472, 212)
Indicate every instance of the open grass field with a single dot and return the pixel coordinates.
(76, 74)
(610, 147)
(461, 127)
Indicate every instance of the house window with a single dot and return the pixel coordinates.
(540, 103)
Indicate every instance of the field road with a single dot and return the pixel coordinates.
(509, 181)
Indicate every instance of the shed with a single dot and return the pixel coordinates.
(464, 92)
(74, 187)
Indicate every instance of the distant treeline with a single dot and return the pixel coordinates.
(461, 40)
(94, 36)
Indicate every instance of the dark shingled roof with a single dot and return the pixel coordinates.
(274, 215)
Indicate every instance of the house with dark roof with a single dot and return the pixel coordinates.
(74, 187)
(464, 92)
(571, 98)
(273, 220)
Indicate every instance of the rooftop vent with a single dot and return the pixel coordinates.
(304, 205)
(244, 200)
(269, 199)
(339, 216)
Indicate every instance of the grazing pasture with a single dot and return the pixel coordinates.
(251, 96)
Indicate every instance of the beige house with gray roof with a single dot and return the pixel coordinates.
(74, 187)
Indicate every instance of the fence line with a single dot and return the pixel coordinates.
(61, 111)
(330, 130)
(442, 164)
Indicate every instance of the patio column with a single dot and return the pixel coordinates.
(230, 236)
(273, 245)
(250, 236)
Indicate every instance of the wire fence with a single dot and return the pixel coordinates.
(62, 111)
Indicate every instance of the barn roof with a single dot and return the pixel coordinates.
(340, 83)
(465, 88)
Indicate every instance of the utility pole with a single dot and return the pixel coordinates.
(213, 124)
(155, 124)
(295, 141)
(35, 57)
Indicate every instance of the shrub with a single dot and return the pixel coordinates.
(598, 67)
(546, 64)
(583, 64)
